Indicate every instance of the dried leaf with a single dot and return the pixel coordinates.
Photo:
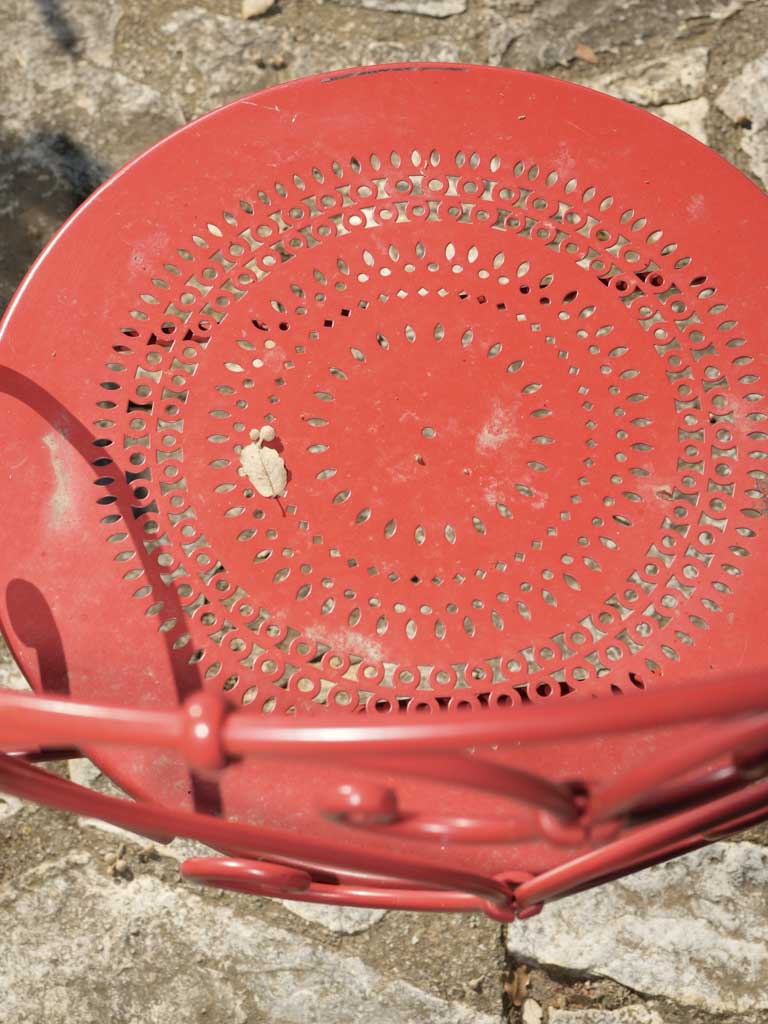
(584, 52)
(265, 468)
(517, 985)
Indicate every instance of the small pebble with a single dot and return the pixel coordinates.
(122, 870)
(110, 858)
(255, 8)
(532, 1012)
(475, 984)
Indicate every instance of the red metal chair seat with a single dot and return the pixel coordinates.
(503, 615)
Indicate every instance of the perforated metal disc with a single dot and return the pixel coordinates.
(511, 336)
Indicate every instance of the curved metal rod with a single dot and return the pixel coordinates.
(200, 732)
(552, 809)
(643, 782)
(475, 773)
(570, 718)
(449, 829)
(660, 839)
(30, 720)
(30, 783)
(681, 794)
(43, 756)
(47, 721)
(259, 879)
(25, 390)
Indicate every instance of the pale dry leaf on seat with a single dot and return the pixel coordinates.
(264, 467)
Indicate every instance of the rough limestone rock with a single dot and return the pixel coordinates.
(694, 930)
(691, 116)
(343, 920)
(10, 674)
(745, 101)
(256, 8)
(171, 955)
(9, 806)
(669, 78)
(635, 1014)
(428, 8)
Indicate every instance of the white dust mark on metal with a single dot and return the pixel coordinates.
(60, 502)
(696, 207)
(348, 640)
(498, 429)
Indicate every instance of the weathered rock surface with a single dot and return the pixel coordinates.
(667, 78)
(256, 8)
(87, 84)
(78, 947)
(691, 116)
(637, 1014)
(10, 674)
(745, 102)
(428, 8)
(694, 930)
(344, 920)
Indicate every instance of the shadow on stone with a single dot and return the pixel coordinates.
(44, 176)
(59, 26)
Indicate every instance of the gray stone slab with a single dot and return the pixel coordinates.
(694, 930)
(634, 1014)
(427, 8)
(745, 101)
(79, 947)
(343, 920)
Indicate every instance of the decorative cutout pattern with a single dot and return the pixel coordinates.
(526, 440)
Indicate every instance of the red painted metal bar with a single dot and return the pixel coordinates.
(734, 825)
(457, 830)
(30, 783)
(643, 782)
(670, 835)
(43, 755)
(478, 774)
(737, 693)
(258, 878)
(687, 792)
(198, 732)
(29, 720)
